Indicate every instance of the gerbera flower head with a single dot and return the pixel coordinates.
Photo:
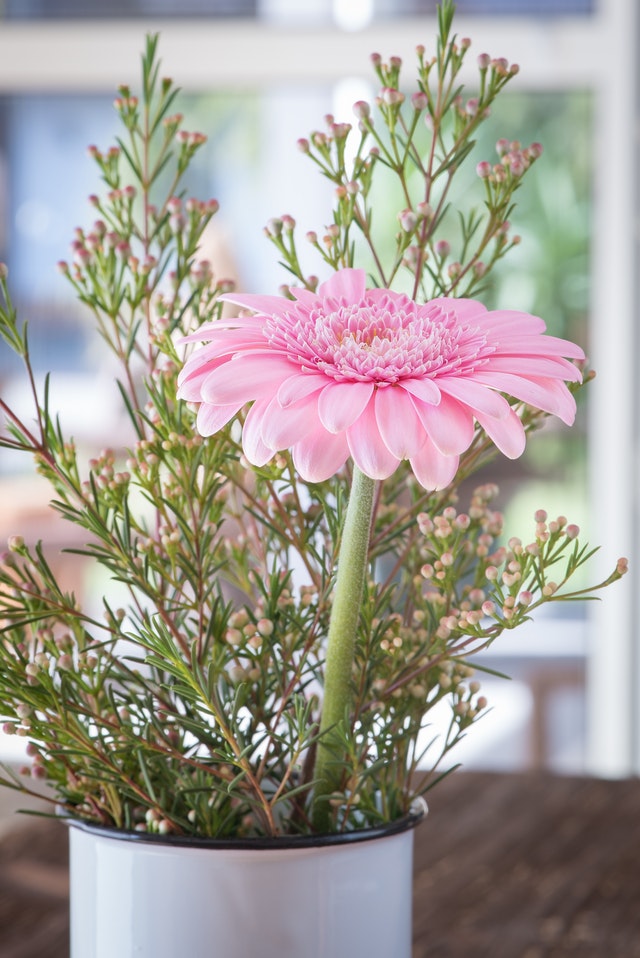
(371, 374)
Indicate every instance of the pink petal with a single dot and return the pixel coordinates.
(340, 404)
(249, 326)
(383, 298)
(299, 386)
(320, 455)
(367, 447)
(399, 424)
(518, 343)
(305, 296)
(550, 395)
(254, 448)
(508, 322)
(349, 284)
(259, 303)
(424, 389)
(208, 358)
(535, 366)
(450, 425)
(474, 395)
(466, 310)
(282, 428)
(508, 434)
(212, 418)
(246, 378)
(190, 381)
(432, 469)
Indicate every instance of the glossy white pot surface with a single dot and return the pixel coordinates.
(154, 899)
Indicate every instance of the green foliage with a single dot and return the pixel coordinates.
(193, 707)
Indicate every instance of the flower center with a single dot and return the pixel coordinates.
(383, 341)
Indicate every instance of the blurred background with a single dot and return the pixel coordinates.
(256, 76)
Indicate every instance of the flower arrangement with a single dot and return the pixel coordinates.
(304, 582)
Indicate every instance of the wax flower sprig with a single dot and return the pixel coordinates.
(391, 154)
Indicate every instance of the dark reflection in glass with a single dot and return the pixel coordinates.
(121, 9)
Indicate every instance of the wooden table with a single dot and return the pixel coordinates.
(506, 866)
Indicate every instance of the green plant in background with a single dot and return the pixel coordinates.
(194, 705)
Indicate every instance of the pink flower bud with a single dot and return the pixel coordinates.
(419, 101)
(483, 169)
(442, 248)
(483, 61)
(391, 96)
(274, 226)
(408, 220)
(340, 130)
(362, 109)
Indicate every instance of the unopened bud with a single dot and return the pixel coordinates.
(362, 109)
(419, 101)
(408, 220)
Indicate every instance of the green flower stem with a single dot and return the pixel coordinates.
(347, 602)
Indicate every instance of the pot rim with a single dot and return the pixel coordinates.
(417, 812)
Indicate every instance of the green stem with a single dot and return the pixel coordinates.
(341, 644)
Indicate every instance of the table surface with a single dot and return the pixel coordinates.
(506, 866)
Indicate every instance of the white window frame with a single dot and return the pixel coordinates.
(597, 52)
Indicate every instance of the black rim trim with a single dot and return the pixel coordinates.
(415, 816)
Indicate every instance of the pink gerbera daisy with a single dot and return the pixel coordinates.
(371, 374)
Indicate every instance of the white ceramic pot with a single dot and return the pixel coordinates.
(137, 896)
